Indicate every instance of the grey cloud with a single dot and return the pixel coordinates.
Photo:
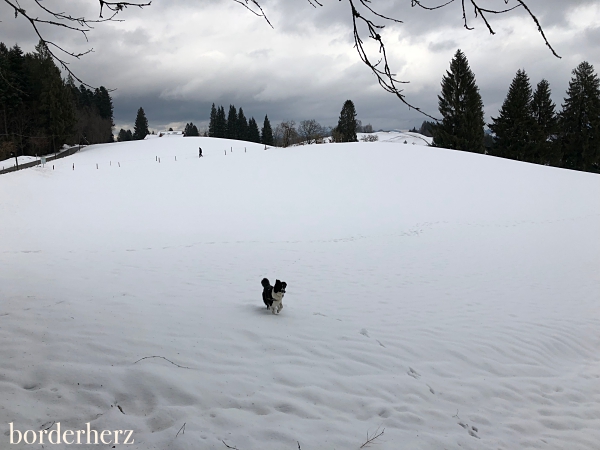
(592, 35)
(442, 46)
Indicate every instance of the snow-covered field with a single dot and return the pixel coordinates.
(450, 299)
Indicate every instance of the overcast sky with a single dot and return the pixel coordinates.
(176, 57)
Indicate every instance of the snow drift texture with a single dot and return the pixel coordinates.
(448, 298)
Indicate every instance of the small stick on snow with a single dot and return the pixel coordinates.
(374, 436)
(147, 357)
(182, 428)
(233, 448)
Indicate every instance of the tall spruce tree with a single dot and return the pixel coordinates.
(253, 133)
(212, 122)
(140, 128)
(221, 123)
(461, 108)
(104, 107)
(267, 132)
(11, 83)
(580, 121)
(55, 99)
(544, 113)
(515, 128)
(242, 126)
(232, 123)
(347, 123)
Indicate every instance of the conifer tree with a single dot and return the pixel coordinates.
(515, 128)
(124, 136)
(580, 121)
(11, 89)
(140, 128)
(191, 130)
(267, 132)
(253, 133)
(213, 121)
(232, 123)
(461, 107)
(347, 123)
(242, 126)
(55, 99)
(103, 103)
(221, 123)
(544, 113)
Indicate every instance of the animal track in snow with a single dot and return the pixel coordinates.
(413, 373)
(470, 429)
(364, 332)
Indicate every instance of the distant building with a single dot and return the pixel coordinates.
(164, 133)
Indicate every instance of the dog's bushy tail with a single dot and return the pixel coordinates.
(265, 282)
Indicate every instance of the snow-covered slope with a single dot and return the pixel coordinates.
(446, 297)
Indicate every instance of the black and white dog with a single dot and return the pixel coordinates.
(273, 295)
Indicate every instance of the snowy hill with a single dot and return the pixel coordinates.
(446, 297)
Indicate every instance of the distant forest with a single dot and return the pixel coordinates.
(41, 111)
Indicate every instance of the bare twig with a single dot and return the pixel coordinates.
(147, 357)
(372, 438)
(182, 428)
(50, 426)
(249, 4)
(234, 448)
(62, 20)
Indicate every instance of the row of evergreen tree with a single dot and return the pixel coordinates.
(41, 111)
(236, 126)
(528, 127)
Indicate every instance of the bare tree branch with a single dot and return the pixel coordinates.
(248, 4)
(371, 439)
(62, 20)
(162, 357)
